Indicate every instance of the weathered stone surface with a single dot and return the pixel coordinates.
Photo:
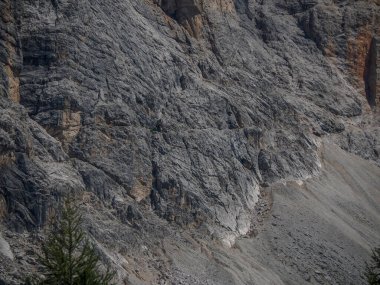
(373, 73)
(344, 33)
(5, 249)
(165, 117)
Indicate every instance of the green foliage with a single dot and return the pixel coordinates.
(68, 258)
(372, 272)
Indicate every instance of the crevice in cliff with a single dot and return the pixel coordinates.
(242, 7)
(372, 73)
(179, 10)
(185, 12)
(154, 196)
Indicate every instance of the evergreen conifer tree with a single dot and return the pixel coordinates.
(68, 258)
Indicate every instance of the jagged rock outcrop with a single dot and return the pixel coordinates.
(168, 120)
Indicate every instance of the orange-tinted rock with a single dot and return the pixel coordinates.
(357, 50)
(10, 65)
(141, 189)
(13, 84)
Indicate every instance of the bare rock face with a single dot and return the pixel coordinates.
(373, 73)
(9, 54)
(170, 121)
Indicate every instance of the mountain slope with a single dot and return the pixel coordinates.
(169, 120)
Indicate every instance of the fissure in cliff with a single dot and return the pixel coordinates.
(372, 76)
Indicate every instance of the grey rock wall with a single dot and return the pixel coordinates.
(173, 115)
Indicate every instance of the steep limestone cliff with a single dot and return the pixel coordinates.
(180, 126)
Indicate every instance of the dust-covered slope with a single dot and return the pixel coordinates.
(321, 229)
(167, 119)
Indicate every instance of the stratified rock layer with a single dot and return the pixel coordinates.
(171, 116)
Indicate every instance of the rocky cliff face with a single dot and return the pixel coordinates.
(173, 122)
(373, 73)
